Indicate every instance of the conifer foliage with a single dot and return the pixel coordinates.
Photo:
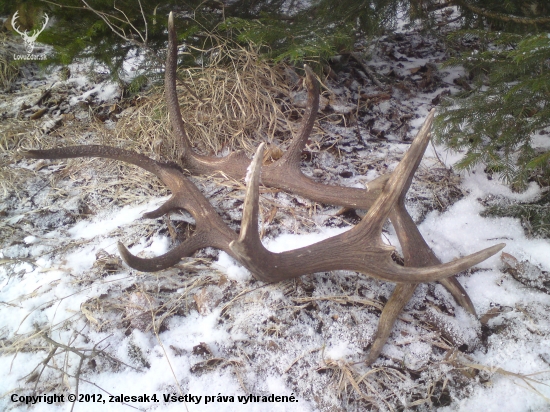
(497, 120)
(502, 120)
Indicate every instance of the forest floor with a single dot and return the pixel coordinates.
(75, 318)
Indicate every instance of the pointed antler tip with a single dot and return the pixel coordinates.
(255, 165)
(171, 20)
(122, 249)
(310, 81)
(430, 117)
(261, 148)
(125, 254)
(133, 261)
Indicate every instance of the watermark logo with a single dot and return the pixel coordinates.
(29, 39)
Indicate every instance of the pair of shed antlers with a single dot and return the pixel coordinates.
(360, 249)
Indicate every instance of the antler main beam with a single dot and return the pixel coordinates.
(360, 249)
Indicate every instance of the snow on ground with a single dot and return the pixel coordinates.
(207, 328)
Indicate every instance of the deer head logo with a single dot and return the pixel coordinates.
(29, 38)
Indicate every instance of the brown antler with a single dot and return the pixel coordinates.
(285, 174)
(211, 230)
(372, 257)
(360, 249)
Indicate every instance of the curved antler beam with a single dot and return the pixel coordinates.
(211, 229)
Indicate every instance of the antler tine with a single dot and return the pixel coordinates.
(291, 156)
(178, 127)
(249, 222)
(416, 251)
(168, 206)
(211, 229)
(169, 259)
(286, 174)
(233, 165)
(400, 296)
(372, 223)
(399, 180)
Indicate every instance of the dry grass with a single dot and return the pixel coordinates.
(469, 368)
(8, 69)
(14, 133)
(238, 100)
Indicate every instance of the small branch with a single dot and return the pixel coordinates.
(130, 23)
(501, 16)
(77, 378)
(120, 33)
(115, 29)
(55, 368)
(60, 345)
(367, 70)
(144, 22)
(61, 6)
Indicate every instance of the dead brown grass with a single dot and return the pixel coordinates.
(9, 70)
(237, 101)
